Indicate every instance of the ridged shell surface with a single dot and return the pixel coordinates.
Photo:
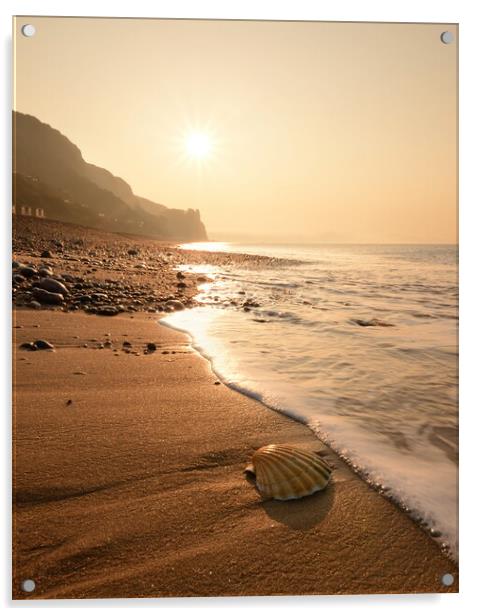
(285, 472)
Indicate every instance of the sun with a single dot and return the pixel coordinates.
(198, 145)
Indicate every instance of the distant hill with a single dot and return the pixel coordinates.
(50, 172)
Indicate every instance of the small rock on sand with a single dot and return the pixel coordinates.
(45, 297)
(28, 346)
(43, 344)
(52, 285)
(38, 345)
(372, 323)
(107, 311)
(175, 304)
(26, 271)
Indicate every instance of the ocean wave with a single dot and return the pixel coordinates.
(373, 374)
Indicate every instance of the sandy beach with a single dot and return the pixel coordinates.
(128, 459)
(129, 480)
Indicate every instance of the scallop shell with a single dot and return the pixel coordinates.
(285, 472)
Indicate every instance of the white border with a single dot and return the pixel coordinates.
(452, 11)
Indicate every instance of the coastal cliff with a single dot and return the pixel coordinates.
(49, 173)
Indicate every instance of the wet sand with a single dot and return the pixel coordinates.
(128, 480)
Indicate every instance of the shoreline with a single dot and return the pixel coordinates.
(133, 440)
(435, 535)
(348, 539)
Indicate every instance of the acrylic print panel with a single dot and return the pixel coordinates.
(235, 308)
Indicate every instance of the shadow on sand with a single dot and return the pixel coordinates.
(303, 513)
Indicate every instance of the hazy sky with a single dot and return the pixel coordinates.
(319, 131)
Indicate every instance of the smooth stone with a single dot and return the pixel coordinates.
(372, 323)
(43, 344)
(151, 347)
(98, 297)
(107, 311)
(53, 286)
(28, 346)
(27, 271)
(45, 272)
(35, 305)
(46, 254)
(45, 297)
(174, 304)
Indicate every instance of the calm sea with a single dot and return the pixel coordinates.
(383, 395)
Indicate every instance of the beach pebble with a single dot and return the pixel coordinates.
(151, 347)
(53, 286)
(99, 297)
(43, 344)
(27, 272)
(28, 346)
(371, 323)
(174, 304)
(107, 311)
(434, 532)
(45, 297)
(45, 272)
(46, 254)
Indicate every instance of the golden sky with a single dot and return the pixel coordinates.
(335, 132)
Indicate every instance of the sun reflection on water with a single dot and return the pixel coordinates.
(208, 246)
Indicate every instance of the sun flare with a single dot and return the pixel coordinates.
(198, 145)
